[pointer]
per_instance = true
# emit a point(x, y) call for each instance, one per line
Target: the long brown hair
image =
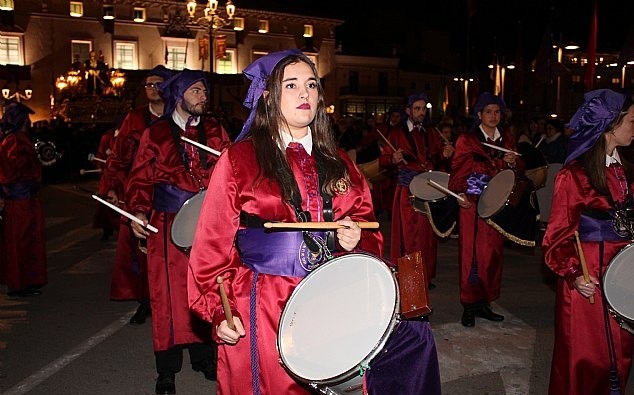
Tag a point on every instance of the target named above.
point(269, 124)
point(593, 160)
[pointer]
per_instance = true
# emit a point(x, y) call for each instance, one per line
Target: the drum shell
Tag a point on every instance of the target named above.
point(442, 214)
point(538, 176)
point(617, 284)
point(372, 172)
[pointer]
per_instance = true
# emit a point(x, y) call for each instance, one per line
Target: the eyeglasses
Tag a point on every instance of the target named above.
point(151, 85)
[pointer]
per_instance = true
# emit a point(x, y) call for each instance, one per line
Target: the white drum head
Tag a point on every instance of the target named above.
point(420, 187)
point(618, 283)
point(337, 316)
point(185, 221)
point(496, 193)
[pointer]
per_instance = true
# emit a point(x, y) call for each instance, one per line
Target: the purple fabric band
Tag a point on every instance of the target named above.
point(277, 253)
point(408, 363)
point(19, 190)
point(169, 199)
point(592, 229)
point(405, 176)
point(476, 183)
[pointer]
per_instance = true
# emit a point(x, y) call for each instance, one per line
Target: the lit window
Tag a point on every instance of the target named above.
point(80, 50)
point(238, 24)
point(125, 55)
point(263, 26)
point(6, 5)
point(139, 14)
point(308, 30)
point(227, 65)
point(11, 50)
point(108, 12)
point(76, 9)
point(176, 57)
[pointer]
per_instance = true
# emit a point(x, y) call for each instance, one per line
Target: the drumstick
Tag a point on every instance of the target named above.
point(93, 157)
point(442, 135)
point(84, 171)
point(225, 303)
point(202, 146)
point(390, 144)
point(125, 213)
point(501, 149)
point(318, 225)
point(584, 267)
point(443, 189)
point(540, 141)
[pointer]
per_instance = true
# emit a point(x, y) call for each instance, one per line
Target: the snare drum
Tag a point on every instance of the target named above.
point(508, 204)
point(336, 321)
point(420, 187)
point(538, 176)
point(440, 209)
point(618, 287)
point(373, 172)
point(185, 221)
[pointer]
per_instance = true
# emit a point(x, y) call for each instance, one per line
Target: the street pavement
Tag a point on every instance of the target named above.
point(73, 340)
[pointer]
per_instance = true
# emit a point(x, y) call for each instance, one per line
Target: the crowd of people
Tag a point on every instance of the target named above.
point(222, 296)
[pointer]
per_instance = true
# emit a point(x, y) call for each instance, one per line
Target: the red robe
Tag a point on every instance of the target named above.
point(158, 161)
point(473, 157)
point(580, 363)
point(22, 237)
point(411, 230)
point(105, 217)
point(214, 253)
point(129, 272)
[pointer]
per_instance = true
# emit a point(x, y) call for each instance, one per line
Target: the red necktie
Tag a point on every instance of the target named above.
point(311, 180)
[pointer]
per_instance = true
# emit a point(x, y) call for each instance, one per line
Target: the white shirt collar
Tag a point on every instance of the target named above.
point(496, 134)
point(410, 125)
point(182, 123)
point(306, 141)
point(615, 158)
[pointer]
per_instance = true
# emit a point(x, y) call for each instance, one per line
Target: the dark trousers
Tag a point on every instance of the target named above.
point(171, 361)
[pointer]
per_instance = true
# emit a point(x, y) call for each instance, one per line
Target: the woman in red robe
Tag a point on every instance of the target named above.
point(480, 244)
point(289, 170)
point(592, 353)
point(22, 239)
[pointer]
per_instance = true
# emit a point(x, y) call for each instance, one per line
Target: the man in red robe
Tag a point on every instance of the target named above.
point(22, 239)
point(418, 149)
point(166, 173)
point(129, 273)
point(481, 245)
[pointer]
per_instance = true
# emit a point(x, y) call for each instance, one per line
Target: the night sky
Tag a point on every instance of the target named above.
point(503, 27)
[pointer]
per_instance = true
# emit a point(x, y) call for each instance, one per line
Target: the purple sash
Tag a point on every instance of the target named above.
point(19, 190)
point(405, 176)
point(278, 253)
point(476, 183)
point(592, 229)
point(169, 198)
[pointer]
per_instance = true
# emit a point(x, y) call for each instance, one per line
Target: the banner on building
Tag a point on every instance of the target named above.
point(221, 46)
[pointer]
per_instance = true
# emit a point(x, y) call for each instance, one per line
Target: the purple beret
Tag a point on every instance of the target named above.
point(173, 89)
point(487, 98)
point(159, 71)
point(416, 97)
point(600, 107)
point(258, 72)
point(15, 115)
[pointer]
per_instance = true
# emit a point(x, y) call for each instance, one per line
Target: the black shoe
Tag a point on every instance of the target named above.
point(488, 314)
point(165, 384)
point(468, 317)
point(142, 312)
point(207, 367)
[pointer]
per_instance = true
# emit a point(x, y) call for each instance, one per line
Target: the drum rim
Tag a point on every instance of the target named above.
point(442, 196)
point(178, 219)
point(606, 288)
point(506, 198)
point(349, 373)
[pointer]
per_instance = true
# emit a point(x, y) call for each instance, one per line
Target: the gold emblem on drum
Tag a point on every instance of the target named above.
point(342, 187)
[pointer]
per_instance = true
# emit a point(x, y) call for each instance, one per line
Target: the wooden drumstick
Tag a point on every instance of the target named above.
point(125, 214)
point(318, 225)
point(201, 146)
point(225, 303)
point(584, 267)
point(443, 189)
point(389, 144)
point(501, 149)
point(84, 171)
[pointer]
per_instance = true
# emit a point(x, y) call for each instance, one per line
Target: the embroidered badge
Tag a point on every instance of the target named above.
point(309, 259)
point(342, 187)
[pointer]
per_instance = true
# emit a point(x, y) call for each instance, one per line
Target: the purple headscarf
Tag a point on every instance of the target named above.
point(411, 99)
point(15, 115)
point(258, 72)
point(159, 71)
point(487, 98)
point(173, 89)
point(600, 107)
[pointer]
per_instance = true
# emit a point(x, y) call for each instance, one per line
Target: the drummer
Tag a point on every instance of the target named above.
point(287, 168)
point(417, 148)
point(481, 246)
point(592, 354)
point(165, 173)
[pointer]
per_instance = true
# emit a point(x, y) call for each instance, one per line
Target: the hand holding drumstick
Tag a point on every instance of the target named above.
point(586, 285)
point(231, 329)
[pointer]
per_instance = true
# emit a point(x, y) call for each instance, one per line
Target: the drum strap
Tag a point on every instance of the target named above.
point(182, 154)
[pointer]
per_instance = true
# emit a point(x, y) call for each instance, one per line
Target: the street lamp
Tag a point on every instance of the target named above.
point(17, 95)
point(212, 21)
